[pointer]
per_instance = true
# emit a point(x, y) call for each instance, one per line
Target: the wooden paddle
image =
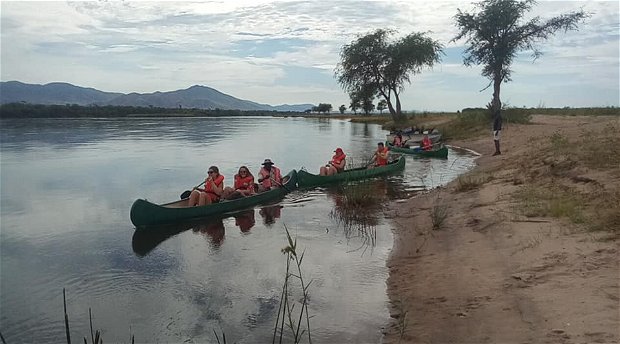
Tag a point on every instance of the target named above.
point(282, 185)
point(186, 193)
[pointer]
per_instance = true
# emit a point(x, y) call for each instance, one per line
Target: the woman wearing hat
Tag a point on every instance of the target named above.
point(269, 176)
point(336, 165)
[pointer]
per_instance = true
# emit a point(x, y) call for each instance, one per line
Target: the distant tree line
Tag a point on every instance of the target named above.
point(322, 107)
point(26, 110)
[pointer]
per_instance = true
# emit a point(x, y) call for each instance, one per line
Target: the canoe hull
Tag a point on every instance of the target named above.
point(439, 153)
point(144, 213)
point(306, 179)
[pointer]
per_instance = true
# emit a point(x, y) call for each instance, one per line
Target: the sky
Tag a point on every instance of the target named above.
point(286, 52)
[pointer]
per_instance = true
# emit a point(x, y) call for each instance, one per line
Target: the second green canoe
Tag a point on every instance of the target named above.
point(438, 153)
point(306, 179)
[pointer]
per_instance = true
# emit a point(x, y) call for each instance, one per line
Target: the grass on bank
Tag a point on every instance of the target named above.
point(550, 201)
point(559, 186)
point(472, 123)
point(472, 181)
point(439, 214)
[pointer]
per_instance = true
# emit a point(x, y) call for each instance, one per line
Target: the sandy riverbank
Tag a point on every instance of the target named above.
point(491, 274)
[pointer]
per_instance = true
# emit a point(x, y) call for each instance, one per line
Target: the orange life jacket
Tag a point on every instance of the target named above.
point(380, 160)
point(265, 176)
point(337, 159)
point(218, 181)
point(244, 183)
point(427, 144)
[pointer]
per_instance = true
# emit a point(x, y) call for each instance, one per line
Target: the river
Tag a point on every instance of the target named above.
point(66, 189)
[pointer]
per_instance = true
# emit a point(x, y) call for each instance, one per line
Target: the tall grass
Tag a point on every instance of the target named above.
point(356, 207)
point(439, 214)
point(95, 337)
point(286, 310)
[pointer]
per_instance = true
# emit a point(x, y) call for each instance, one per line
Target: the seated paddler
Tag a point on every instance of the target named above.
point(335, 165)
point(213, 189)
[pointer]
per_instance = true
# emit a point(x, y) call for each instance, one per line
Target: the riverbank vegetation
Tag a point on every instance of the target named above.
point(26, 110)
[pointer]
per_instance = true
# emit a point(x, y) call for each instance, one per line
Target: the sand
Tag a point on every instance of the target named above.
point(492, 275)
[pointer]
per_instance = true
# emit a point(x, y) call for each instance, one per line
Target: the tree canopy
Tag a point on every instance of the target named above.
point(495, 33)
point(372, 64)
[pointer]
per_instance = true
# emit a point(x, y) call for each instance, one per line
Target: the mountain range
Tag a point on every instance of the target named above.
point(201, 97)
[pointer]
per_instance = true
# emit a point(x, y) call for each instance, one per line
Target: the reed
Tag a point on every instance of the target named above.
point(95, 336)
point(218, 338)
point(286, 309)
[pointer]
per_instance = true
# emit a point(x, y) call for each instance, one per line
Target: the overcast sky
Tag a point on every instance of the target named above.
point(278, 52)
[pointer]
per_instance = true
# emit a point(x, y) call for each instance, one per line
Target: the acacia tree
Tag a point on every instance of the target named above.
point(495, 34)
point(382, 105)
point(367, 106)
point(355, 105)
point(373, 64)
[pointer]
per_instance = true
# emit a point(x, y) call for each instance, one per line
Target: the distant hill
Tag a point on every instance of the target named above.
point(52, 93)
point(201, 97)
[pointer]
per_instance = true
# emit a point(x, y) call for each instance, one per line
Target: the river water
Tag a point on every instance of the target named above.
point(66, 189)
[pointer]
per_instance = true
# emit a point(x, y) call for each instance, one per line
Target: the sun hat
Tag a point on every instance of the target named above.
point(338, 150)
point(267, 162)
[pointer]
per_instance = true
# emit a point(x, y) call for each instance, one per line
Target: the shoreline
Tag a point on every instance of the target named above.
point(489, 274)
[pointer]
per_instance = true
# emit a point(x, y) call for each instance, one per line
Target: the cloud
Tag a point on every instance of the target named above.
point(240, 47)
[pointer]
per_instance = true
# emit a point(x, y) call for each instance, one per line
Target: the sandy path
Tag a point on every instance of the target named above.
point(491, 275)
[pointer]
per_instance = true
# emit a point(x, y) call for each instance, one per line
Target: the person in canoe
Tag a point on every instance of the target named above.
point(336, 165)
point(243, 185)
point(212, 192)
point(426, 143)
point(269, 176)
point(398, 140)
point(381, 155)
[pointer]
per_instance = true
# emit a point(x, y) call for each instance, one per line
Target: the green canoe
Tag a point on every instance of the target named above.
point(438, 153)
point(306, 179)
point(144, 213)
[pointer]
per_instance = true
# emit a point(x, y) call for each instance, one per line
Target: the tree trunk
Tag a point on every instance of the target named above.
point(496, 104)
point(398, 115)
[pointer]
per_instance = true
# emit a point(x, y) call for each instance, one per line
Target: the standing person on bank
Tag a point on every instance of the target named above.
point(497, 128)
point(269, 176)
point(335, 165)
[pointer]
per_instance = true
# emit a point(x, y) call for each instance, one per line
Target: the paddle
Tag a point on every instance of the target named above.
point(186, 193)
point(371, 160)
point(282, 185)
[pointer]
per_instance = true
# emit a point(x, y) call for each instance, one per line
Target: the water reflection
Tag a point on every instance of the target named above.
point(213, 229)
point(145, 239)
point(245, 220)
point(270, 214)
